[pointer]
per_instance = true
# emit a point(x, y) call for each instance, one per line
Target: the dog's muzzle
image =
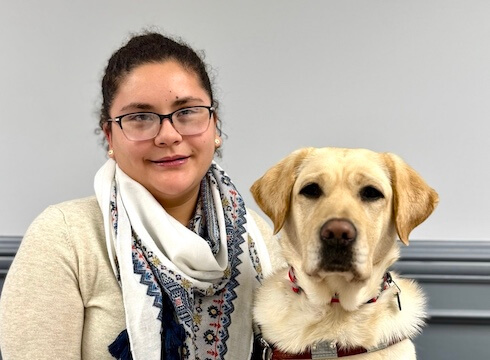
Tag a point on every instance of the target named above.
point(337, 238)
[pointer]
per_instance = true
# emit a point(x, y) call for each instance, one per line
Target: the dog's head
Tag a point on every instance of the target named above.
point(342, 208)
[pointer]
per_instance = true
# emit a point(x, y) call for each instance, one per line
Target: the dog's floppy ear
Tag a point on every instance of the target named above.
point(413, 199)
point(272, 191)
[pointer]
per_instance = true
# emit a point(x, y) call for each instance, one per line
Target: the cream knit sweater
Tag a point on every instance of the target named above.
point(60, 299)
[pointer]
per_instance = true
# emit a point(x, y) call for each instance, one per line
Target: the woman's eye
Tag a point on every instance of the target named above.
point(370, 193)
point(186, 112)
point(139, 117)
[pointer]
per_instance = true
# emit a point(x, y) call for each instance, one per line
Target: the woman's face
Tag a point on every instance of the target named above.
point(170, 166)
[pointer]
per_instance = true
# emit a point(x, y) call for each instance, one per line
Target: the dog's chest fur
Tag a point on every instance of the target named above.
point(295, 324)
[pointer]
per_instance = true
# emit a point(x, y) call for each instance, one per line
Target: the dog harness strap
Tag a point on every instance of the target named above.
point(279, 355)
point(327, 350)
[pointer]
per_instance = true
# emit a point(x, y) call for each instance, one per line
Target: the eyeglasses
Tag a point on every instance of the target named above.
point(141, 126)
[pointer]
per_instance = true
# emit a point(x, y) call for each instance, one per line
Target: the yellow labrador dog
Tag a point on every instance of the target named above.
point(339, 211)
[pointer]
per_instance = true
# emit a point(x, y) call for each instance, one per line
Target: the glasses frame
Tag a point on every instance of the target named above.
point(162, 117)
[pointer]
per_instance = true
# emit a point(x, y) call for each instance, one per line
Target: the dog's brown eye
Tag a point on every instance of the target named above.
point(370, 193)
point(311, 191)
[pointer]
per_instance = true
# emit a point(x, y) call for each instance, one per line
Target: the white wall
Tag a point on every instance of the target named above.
point(410, 77)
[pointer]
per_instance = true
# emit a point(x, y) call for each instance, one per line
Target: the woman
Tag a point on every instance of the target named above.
point(163, 261)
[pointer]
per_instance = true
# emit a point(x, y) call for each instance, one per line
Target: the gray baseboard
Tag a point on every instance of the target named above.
point(456, 277)
point(8, 249)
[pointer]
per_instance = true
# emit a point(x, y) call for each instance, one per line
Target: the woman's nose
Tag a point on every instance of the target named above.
point(167, 134)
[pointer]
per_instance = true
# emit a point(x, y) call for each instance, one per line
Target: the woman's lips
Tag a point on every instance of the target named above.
point(171, 161)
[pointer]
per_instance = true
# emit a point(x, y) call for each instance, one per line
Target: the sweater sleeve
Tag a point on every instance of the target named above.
point(41, 309)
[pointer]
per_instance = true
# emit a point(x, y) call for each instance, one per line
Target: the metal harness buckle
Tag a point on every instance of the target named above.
point(324, 350)
point(267, 350)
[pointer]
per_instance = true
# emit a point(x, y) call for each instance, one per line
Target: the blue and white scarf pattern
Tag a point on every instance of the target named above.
point(208, 272)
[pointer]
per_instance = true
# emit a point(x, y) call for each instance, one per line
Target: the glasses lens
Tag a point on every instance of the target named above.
point(140, 126)
point(192, 120)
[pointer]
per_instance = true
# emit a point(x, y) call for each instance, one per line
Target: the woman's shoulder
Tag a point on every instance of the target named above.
point(87, 204)
point(68, 220)
point(262, 224)
point(80, 211)
point(271, 241)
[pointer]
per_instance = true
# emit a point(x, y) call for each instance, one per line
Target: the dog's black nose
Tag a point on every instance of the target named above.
point(338, 232)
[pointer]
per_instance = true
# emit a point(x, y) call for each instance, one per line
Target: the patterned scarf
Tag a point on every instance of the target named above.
point(188, 288)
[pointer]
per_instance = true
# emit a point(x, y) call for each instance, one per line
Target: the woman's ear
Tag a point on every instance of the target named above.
point(106, 128)
point(108, 135)
point(217, 142)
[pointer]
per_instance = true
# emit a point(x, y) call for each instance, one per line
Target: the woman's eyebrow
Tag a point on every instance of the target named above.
point(138, 106)
point(149, 107)
point(187, 99)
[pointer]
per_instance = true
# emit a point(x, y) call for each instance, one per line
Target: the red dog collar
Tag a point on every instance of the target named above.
point(387, 282)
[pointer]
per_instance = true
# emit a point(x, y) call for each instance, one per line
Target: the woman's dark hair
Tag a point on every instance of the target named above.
point(150, 47)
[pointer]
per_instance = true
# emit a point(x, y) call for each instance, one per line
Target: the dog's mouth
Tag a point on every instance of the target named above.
point(336, 258)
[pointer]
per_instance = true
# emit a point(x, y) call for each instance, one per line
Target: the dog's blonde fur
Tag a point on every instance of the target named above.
point(294, 322)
